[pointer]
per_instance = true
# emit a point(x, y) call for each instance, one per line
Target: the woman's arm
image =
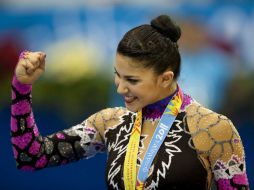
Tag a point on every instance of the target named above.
point(228, 163)
point(219, 146)
point(31, 150)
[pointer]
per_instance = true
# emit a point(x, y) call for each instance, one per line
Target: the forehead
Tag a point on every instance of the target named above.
point(129, 66)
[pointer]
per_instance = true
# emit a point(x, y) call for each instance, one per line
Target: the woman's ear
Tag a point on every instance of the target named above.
point(166, 79)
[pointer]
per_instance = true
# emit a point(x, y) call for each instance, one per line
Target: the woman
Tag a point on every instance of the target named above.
point(163, 139)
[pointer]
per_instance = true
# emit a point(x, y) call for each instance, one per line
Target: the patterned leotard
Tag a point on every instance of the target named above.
point(200, 146)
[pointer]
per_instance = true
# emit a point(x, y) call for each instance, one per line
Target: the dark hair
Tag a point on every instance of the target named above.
point(155, 45)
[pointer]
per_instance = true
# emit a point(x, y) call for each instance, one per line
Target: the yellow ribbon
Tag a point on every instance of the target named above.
point(140, 185)
point(130, 162)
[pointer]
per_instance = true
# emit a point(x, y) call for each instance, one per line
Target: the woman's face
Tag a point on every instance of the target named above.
point(139, 86)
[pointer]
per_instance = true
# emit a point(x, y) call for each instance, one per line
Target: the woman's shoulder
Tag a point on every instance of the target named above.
point(108, 117)
point(202, 118)
point(208, 127)
point(115, 112)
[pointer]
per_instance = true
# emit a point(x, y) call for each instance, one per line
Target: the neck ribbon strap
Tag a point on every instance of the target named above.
point(131, 180)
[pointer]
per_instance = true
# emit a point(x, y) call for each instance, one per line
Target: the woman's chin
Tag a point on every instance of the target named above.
point(131, 108)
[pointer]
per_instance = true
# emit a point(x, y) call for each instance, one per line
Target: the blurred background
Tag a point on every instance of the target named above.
point(80, 39)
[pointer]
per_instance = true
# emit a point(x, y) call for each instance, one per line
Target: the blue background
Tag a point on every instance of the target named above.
point(35, 29)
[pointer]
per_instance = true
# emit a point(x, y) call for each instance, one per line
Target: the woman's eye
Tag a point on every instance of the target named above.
point(132, 81)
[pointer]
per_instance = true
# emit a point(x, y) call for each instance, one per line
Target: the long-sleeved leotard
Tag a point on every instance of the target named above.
point(200, 146)
point(219, 146)
point(32, 151)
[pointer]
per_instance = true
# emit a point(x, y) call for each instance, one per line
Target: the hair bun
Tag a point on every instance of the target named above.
point(164, 25)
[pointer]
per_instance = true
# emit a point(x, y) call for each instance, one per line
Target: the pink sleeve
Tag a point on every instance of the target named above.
point(231, 175)
point(31, 150)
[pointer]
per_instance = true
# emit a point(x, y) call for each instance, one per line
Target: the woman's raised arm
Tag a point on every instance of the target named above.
point(31, 150)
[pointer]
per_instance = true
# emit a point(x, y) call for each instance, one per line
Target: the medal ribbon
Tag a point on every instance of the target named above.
point(130, 161)
point(162, 129)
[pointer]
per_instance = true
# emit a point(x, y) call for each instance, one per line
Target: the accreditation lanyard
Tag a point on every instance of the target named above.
point(162, 129)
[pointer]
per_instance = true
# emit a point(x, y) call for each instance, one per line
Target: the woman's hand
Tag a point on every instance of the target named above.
point(30, 66)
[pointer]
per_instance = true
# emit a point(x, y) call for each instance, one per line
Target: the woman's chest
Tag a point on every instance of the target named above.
point(175, 163)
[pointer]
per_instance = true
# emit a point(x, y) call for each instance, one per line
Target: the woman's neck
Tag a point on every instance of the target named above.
point(155, 110)
point(168, 91)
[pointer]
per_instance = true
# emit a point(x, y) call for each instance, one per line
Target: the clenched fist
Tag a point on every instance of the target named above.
point(30, 66)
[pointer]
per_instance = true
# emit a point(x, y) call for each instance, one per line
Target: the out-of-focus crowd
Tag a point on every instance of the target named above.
point(80, 40)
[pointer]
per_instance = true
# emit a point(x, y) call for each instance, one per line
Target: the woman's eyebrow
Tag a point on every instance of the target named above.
point(126, 76)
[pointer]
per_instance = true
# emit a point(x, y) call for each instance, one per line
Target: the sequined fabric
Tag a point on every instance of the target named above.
point(32, 151)
point(231, 175)
point(201, 145)
point(154, 111)
point(219, 146)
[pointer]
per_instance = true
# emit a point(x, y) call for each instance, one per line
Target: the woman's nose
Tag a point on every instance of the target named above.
point(121, 88)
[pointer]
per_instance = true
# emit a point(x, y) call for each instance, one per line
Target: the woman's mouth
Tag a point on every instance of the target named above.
point(129, 99)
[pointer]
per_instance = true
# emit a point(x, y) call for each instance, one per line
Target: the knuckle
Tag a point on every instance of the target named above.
point(38, 55)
